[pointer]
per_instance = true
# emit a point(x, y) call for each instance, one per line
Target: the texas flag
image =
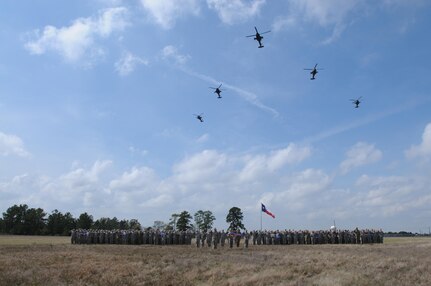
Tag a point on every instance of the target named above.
point(267, 211)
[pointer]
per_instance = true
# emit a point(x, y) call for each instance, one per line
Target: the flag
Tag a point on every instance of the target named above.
point(267, 211)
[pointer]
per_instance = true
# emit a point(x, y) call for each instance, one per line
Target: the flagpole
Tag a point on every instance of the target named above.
point(261, 218)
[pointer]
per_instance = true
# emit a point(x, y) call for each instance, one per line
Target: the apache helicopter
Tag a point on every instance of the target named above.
point(356, 102)
point(313, 72)
point(217, 90)
point(258, 37)
point(199, 117)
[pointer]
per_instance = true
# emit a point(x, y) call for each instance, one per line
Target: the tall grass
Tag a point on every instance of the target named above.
point(396, 262)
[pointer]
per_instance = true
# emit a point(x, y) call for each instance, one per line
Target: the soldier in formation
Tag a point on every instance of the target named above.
point(214, 238)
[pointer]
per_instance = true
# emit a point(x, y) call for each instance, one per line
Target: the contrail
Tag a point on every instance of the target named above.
point(358, 123)
point(246, 95)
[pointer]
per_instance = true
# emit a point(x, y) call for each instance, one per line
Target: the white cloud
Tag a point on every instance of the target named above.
point(12, 145)
point(166, 12)
point(390, 196)
point(142, 179)
point(235, 11)
point(204, 138)
point(171, 53)
point(424, 148)
point(127, 63)
point(258, 165)
point(334, 14)
point(201, 167)
point(360, 154)
point(78, 40)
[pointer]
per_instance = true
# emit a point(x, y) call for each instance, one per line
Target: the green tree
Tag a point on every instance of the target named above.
point(14, 219)
point(172, 225)
point(124, 224)
point(2, 226)
point(134, 224)
point(106, 223)
point(183, 222)
point(22, 220)
point(59, 223)
point(158, 224)
point(34, 221)
point(234, 219)
point(85, 221)
point(204, 220)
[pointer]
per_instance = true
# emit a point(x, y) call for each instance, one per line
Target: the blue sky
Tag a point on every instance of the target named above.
point(97, 101)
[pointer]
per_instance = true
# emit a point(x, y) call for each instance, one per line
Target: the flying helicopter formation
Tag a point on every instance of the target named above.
point(356, 102)
point(199, 117)
point(258, 37)
point(217, 90)
point(313, 72)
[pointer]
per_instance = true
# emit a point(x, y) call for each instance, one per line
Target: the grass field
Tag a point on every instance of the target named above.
point(53, 261)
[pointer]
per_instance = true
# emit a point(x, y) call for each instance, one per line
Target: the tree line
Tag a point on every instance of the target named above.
point(22, 220)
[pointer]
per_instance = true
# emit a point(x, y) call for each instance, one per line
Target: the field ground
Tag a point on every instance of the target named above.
point(53, 261)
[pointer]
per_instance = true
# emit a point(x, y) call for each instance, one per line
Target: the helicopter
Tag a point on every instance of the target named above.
point(217, 90)
point(199, 117)
point(258, 37)
point(313, 72)
point(356, 102)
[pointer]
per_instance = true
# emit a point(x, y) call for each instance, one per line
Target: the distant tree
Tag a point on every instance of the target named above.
point(124, 224)
point(172, 225)
point(34, 221)
point(59, 223)
point(134, 224)
point(2, 226)
point(204, 220)
point(158, 224)
point(14, 219)
point(23, 220)
point(106, 223)
point(234, 219)
point(183, 222)
point(84, 221)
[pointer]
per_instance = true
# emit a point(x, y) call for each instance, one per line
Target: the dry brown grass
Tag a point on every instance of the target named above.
point(397, 262)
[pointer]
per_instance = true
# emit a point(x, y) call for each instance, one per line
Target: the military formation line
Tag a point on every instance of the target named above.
point(214, 238)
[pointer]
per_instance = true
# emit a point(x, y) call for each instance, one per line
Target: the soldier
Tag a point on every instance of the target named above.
point(209, 238)
point(237, 238)
point(246, 238)
point(231, 237)
point(198, 239)
point(222, 238)
point(215, 238)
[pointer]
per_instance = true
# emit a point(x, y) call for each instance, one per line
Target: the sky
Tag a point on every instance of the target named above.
point(97, 104)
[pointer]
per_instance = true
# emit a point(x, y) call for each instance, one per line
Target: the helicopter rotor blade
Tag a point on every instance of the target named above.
point(219, 86)
point(308, 69)
point(265, 32)
point(315, 66)
point(250, 36)
point(256, 29)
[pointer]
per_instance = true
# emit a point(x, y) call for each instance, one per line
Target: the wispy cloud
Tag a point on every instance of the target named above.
point(166, 12)
point(248, 96)
point(78, 40)
point(12, 145)
point(128, 62)
point(235, 11)
point(171, 53)
point(360, 122)
point(333, 14)
point(360, 154)
point(423, 150)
